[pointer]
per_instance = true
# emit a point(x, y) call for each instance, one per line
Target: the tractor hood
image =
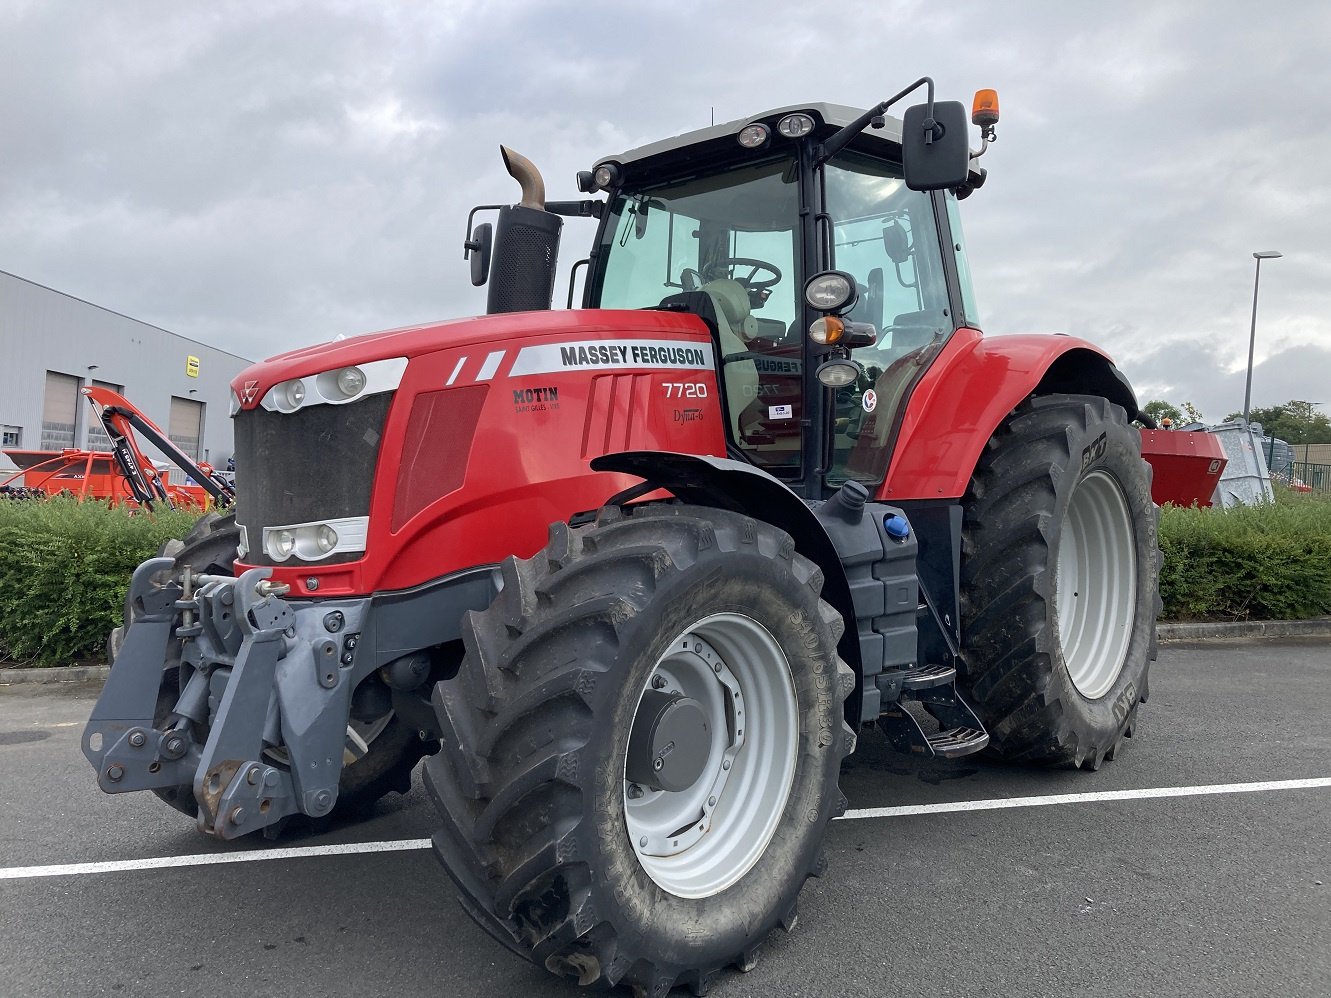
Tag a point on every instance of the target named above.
point(490, 335)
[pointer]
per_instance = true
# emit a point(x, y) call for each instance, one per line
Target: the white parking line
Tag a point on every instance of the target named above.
point(210, 859)
point(1145, 793)
point(408, 845)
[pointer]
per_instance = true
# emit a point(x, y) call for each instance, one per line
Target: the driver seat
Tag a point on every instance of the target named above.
point(736, 326)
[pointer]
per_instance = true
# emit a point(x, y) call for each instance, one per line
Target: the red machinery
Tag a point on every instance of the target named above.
point(635, 576)
point(1186, 465)
point(123, 475)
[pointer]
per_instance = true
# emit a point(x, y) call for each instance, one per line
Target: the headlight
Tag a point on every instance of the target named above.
point(292, 395)
point(753, 136)
point(839, 372)
point(336, 387)
point(316, 541)
point(280, 544)
point(351, 380)
point(606, 176)
point(832, 291)
point(792, 126)
point(326, 538)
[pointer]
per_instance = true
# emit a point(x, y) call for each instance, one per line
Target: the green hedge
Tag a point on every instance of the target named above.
point(65, 567)
point(64, 572)
point(1266, 562)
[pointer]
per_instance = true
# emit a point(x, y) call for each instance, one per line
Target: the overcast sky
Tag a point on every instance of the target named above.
point(262, 176)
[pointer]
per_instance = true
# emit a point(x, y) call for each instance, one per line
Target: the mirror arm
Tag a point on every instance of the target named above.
point(841, 138)
point(467, 242)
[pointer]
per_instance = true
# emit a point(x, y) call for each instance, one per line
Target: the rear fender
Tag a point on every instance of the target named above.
point(880, 583)
point(968, 392)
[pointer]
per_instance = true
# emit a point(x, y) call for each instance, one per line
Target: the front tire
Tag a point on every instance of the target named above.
point(551, 826)
point(1060, 582)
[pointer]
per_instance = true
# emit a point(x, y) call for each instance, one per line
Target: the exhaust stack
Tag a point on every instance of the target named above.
point(524, 171)
point(526, 244)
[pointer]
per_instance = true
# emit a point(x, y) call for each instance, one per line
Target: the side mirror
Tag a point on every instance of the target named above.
point(478, 249)
point(936, 158)
point(896, 243)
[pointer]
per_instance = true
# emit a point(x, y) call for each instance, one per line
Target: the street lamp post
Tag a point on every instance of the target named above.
point(1252, 334)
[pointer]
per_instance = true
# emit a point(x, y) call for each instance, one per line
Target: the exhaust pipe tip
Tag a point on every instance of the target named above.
point(524, 171)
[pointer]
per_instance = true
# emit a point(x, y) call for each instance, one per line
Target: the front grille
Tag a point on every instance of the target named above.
point(306, 466)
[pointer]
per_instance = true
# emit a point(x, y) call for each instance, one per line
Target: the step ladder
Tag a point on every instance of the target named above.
point(934, 687)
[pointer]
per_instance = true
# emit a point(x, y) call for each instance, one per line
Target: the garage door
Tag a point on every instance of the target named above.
point(59, 410)
point(186, 425)
point(97, 438)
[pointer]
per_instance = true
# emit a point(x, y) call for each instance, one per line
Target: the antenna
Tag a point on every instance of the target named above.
point(713, 114)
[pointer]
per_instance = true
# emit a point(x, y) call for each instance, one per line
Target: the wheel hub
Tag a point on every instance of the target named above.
point(669, 745)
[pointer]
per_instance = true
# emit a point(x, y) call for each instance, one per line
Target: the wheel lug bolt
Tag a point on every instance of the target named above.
point(635, 791)
point(725, 764)
point(642, 842)
point(717, 668)
point(658, 682)
point(711, 802)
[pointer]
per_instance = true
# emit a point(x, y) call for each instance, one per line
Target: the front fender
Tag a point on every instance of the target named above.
point(970, 389)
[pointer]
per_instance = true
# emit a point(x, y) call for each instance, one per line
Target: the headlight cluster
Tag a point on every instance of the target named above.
point(336, 387)
point(316, 541)
point(835, 293)
point(792, 126)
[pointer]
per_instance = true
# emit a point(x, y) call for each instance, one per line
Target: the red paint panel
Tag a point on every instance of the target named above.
point(1186, 467)
point(436, 447)
point(957, 405)
point(526, 461)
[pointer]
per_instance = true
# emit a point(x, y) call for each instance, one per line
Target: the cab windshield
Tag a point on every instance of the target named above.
point(734, 236)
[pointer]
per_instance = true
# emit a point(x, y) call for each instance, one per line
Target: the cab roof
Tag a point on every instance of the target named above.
point(832, 115)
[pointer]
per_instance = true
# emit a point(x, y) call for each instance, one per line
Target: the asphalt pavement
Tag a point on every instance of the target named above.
point(1213, 893)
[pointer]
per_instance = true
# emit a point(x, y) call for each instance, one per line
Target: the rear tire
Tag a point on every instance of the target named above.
point(1060, 582)
point(211, 548)
point(533, 782)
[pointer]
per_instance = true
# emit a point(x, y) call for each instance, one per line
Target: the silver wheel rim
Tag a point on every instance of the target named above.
point(1095, 593)
point(698, 841)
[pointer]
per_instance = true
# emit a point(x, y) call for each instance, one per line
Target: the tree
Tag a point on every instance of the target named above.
point(1192, 412)
point(1159, 410)
point(1295, 422)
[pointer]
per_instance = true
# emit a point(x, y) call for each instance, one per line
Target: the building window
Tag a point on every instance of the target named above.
point(60, 408)
point(97, 438)
point(11, 436)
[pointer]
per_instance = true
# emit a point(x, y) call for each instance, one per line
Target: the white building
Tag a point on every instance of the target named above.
point(52, 345)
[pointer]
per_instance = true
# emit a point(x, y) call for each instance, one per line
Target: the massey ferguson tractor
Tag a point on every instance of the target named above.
point(632, 577)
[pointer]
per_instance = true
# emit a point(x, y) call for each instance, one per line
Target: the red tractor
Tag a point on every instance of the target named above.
point(632, 577)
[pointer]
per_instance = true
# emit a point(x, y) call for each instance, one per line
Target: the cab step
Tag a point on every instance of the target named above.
point(960, 732)
point(928, 676)
point(956, 742)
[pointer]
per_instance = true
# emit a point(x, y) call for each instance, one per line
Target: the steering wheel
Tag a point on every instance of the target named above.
point(725, 268)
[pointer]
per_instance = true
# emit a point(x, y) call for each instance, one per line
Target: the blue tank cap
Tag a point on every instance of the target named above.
point(896, 527)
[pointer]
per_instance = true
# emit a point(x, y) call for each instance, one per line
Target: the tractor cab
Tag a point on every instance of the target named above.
point(822, 246)
point(737, 223)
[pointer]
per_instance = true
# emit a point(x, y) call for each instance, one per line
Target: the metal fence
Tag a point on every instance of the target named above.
point(1304, 476)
